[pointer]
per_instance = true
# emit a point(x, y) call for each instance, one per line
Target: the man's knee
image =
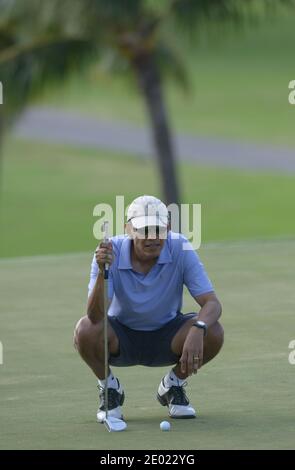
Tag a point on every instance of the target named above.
point(89, 336)
point(213, 341)
point(86, 331)
point(217, 333)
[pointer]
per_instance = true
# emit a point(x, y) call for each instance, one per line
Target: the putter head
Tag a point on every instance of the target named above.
point(114, 424)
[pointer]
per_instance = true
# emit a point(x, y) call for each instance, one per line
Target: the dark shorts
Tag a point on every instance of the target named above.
point(147, 348)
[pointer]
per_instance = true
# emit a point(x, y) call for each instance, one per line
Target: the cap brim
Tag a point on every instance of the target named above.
point(149, 221)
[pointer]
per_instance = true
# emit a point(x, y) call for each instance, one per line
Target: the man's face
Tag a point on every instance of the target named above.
point(148, 242)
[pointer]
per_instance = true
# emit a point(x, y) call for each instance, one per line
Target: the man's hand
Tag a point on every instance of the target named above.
point(104, 255)
point(192, 352)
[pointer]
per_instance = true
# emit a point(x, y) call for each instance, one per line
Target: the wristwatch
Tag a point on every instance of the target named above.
point(202, 325)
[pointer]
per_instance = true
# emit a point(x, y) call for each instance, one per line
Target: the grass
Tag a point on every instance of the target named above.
point(245, 397)
point(49, 192)
point(239, 87)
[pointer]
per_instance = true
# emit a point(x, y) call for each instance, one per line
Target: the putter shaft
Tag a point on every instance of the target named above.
point(106, 349)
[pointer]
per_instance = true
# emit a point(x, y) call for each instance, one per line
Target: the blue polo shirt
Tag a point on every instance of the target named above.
point(149, 301)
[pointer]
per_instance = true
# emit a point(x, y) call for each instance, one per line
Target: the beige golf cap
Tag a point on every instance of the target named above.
point(147, 211)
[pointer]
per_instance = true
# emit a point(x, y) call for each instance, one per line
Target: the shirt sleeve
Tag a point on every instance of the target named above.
point(195, 277)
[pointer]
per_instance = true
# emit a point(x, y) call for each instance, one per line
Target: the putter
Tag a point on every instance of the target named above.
point(111, 423)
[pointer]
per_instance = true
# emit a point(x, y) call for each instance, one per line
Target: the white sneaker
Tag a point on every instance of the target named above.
point(175, 398)
point(116, 399)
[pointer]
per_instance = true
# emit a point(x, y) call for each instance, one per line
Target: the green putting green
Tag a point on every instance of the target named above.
point(245, 397)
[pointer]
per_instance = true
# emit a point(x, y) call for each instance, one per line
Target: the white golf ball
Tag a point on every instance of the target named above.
point(165, 426)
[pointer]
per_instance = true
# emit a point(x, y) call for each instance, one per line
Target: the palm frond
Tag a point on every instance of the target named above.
point(31, 70)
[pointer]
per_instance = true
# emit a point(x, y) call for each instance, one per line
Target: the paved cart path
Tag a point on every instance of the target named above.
point(49, 124)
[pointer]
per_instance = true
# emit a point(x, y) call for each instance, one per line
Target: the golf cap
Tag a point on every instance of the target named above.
point(147, 211)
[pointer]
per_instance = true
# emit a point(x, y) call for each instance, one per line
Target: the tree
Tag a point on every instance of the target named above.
point(42, 41)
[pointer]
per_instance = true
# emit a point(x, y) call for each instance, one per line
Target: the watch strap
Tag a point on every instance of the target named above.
point(201, 326)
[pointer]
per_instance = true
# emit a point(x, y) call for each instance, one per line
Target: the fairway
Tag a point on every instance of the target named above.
point(49, 192)
point(245, 398)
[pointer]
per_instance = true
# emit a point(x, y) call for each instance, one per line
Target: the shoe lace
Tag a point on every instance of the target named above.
point(113, 398)
point(178, 395)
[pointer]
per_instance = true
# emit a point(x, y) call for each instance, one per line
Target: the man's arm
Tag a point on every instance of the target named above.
point(95, 304)
point(210, 308)
point(194, 343)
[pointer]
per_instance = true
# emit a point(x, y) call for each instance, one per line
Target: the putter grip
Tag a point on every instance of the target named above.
point(106, 239)
point(106, 271)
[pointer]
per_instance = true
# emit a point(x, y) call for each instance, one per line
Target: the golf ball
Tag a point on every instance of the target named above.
point(165, 426)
